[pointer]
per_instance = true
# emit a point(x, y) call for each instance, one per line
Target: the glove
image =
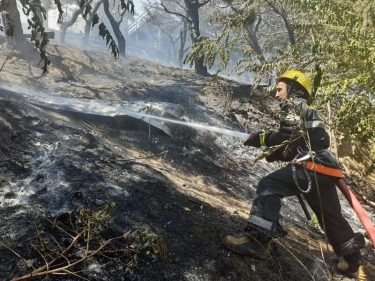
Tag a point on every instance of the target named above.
point(256, 140)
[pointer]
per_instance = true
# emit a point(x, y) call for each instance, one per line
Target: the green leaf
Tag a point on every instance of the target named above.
point(123, 5)
point(102, 30)
point(95, 20)
point(10, 31)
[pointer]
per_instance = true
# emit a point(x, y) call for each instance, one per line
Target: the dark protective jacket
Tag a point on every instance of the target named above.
point(298, 115)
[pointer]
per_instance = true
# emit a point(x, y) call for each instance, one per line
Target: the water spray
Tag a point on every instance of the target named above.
point(236, 134)
point(105, 108)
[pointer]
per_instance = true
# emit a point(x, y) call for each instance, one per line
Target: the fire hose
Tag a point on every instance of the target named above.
point(352, 199)
point(358, 209)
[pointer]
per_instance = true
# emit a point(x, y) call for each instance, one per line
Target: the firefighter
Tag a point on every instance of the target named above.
point(302, 140)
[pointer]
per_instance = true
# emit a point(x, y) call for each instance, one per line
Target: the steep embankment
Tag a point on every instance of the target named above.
point(191, 190)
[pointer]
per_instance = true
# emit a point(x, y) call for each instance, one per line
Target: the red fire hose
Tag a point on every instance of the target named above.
point(353, 201)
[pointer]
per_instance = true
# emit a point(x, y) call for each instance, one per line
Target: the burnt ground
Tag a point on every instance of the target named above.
point(181, 194)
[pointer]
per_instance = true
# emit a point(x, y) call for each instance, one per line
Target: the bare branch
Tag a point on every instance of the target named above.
point(174, 13)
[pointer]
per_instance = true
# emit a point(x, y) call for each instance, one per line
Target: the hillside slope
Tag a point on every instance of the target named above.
point(178, 196)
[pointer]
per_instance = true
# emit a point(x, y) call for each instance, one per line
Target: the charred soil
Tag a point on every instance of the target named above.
point(169, 201)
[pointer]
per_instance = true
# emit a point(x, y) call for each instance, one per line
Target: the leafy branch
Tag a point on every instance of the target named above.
point(37, 13)
point(83, 230)
point(38, 33)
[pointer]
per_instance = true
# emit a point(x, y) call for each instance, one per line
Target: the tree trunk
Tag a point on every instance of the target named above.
point(116, 29)
point(12, 26)
point(39, 14)
point(47, 5)
point(65, 25)
point(255, 42)
point(193, 12)
point(283, 15)
point(86, 36)
point(290, 30)
point(332, 134)
point(181, 50)
point(63, 28)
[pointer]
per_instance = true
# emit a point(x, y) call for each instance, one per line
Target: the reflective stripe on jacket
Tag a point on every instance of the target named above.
point(290, 130)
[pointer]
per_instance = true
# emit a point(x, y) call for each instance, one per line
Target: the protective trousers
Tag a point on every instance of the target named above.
point(322, 198)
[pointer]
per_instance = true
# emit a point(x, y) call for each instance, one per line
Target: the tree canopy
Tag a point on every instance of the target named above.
point(332, 41)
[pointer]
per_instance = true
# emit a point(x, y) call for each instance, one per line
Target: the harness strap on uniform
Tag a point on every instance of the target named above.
point(295, 178)
point(322, 169)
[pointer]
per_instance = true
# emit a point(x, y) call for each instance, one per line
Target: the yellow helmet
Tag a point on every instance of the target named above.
point(296, 76)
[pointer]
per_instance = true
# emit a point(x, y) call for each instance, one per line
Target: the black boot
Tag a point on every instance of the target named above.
point(254, 241)
point(247, 245)
point(354, 268)
point(353, 265)
point(354, 261)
